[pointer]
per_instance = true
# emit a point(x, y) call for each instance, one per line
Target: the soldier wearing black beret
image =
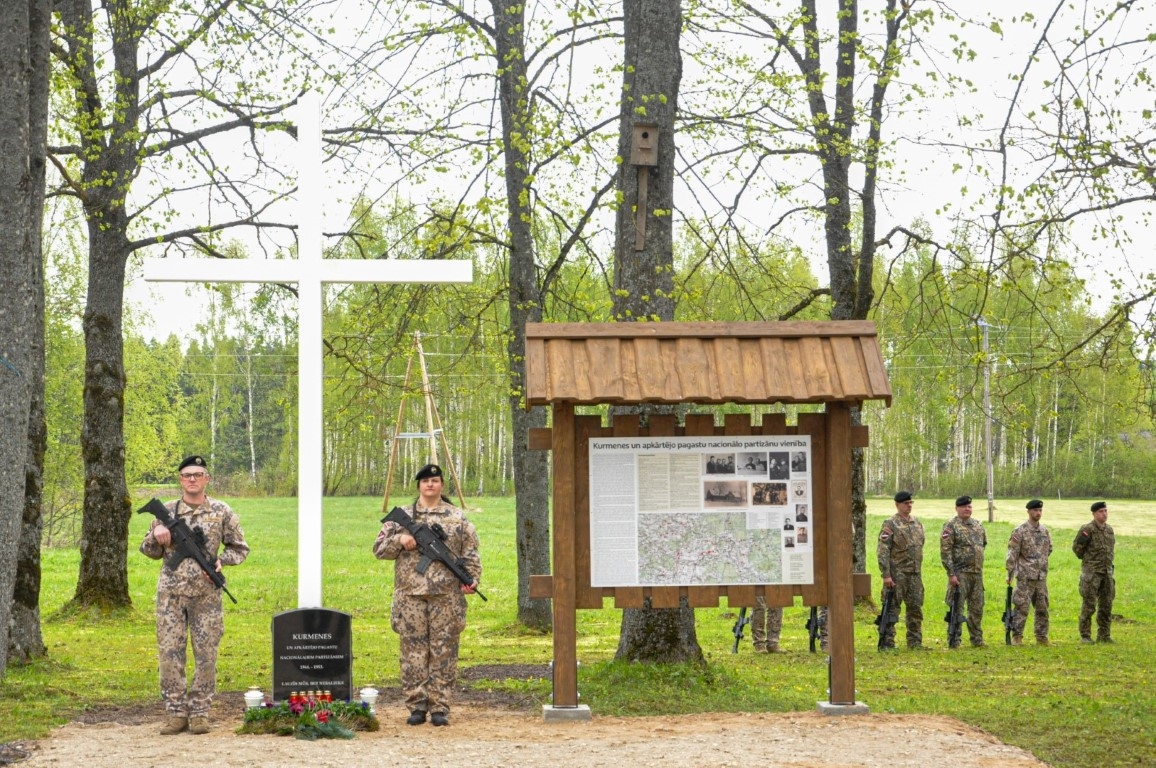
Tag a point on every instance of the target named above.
point(961, 548)
point(188, 603)
point(1028, 551)
point(1095, 545)
point(429, 605)
point(900, 558)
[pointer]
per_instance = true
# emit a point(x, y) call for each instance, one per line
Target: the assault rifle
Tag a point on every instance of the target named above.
point(1008, 617)
point(813, 627)
point(737, 629)
point(887, 617)
point(432, 546)
point(186, 543)
point(955, 617)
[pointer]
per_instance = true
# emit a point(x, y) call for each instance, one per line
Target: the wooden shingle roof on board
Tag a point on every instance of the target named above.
point(787, 362)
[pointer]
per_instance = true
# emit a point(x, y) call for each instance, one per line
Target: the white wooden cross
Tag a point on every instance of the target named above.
point(309, 271)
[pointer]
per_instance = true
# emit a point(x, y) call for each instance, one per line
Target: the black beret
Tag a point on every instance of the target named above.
point(963, 501)
point(193, 461)
point(1099, 505)
point(902, 496)
point(1035, 504)
point(429, 470)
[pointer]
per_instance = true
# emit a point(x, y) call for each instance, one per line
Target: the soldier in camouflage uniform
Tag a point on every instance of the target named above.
point(900, 556)
point(1028, 550)
point(429, 610)
point(961, 549)
point(766, 626)
point(1095, 545)
point(188, 603)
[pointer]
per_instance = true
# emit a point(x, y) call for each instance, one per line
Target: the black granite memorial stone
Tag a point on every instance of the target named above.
point(312, 651)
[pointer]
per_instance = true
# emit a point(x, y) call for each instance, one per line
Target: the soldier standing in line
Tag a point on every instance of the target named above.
point(1095, 545)
point(766, 627)
point(961, 549)
point(188, 603)
point(1028, 550)
point(429, 608)
point(900, 557)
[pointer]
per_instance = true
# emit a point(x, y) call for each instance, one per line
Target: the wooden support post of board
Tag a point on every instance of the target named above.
point(840, 586)
point(564, 576)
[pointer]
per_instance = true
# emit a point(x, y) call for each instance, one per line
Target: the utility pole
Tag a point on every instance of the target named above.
point(987, 420)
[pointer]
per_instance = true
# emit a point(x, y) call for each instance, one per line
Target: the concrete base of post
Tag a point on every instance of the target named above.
point(828, 708)
point(552, 714)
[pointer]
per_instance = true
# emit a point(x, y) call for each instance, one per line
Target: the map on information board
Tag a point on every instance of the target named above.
point(700, 511)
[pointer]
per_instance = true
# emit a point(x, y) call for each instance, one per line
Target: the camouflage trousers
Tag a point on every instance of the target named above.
point(179, 619)
point(909, 592)
point(1030, 593)
point(1098, 590)
point(971, 593)
point(766, 624)
point(429, 627)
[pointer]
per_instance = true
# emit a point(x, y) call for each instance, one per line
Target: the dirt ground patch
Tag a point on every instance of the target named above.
point(490, 730)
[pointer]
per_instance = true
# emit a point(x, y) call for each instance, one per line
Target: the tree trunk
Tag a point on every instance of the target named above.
point(103, 579)
point(26, 641)
point(531, 468)
point(644, 254)
point(18, 156)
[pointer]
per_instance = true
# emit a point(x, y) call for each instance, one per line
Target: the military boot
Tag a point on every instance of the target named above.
point(198, 724)
point(174, 724)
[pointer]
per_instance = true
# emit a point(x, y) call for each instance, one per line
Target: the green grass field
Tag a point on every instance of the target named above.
point(1068, 704)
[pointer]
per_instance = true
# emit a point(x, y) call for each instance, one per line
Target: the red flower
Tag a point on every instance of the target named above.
point(323, 716)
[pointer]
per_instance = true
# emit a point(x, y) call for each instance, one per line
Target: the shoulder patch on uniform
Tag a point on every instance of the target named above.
point(946, 533)
point(884, 535)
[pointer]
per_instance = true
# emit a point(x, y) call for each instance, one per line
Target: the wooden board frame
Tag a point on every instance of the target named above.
point(832, 437)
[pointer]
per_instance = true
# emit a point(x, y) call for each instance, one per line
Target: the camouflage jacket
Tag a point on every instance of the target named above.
point(1095, 544)
point(900, 546)
point(1027, 552)
point(461, 539)
point(221, 528)
point(961, 546)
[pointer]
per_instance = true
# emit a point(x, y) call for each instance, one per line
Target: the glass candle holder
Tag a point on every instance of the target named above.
point(369, 697)
point(253, 697)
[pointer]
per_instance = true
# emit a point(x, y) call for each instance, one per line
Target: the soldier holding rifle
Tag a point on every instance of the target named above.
point(900, 558)
point(961, 547)
point(429, 604)
point(188, 600)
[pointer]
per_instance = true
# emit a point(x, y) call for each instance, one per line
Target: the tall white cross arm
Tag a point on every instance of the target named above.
point(310, 271)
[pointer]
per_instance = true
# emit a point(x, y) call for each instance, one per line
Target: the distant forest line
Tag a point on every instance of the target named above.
point(226, 388)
